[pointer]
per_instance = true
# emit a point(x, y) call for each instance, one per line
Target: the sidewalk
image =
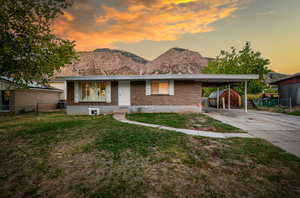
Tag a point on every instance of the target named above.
point(280, 129)
point(122, 118)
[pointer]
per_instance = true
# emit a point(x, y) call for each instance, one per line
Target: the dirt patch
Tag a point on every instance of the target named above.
point(199, 123)
point(67, 147)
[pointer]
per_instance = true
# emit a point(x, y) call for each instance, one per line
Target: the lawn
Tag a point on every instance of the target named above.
point(296, 113)
point(54, 155)
point(186, 120)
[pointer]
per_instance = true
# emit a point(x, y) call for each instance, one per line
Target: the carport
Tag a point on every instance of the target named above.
point(229, 80)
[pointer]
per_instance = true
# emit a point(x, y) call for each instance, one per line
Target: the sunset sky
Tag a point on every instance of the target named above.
point(150, 27)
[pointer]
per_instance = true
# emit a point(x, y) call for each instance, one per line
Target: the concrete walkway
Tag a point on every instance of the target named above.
point(280, 129)
point(121, 117)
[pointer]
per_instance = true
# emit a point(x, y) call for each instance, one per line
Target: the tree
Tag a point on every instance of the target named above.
point(28, 50)
point(245, 61)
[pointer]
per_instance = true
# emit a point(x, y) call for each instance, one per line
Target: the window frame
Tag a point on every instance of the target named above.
point(93, 90)
point(160, 94)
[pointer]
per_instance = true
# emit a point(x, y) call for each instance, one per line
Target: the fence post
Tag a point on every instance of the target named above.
point(246, 97)
point(37, 108)
point(218, 97)
point(13, 109)
point(229, 96)
point(290, 104)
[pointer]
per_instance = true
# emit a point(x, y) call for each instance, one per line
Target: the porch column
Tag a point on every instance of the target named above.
point(1, 107)
point(246, 99)
point(65, 91)
point(228, 96)
point(218, 97)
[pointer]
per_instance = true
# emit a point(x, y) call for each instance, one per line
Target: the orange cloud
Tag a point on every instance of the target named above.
point(161, 20)
point(67, 16)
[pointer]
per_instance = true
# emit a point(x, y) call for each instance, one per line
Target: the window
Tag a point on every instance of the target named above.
point(85, 91)
point(4, 100)
point(100, 91)
point(160, 88)
point(93, 91)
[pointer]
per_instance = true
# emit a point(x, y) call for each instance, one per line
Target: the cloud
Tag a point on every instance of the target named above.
point(267, 13)
point(67, 16)
point(94, 25)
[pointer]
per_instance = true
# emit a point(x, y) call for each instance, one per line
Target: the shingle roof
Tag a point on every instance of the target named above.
point(33, 85)
point(286, 78)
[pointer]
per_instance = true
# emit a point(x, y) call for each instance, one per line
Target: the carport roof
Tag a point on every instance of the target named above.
point(216, 78)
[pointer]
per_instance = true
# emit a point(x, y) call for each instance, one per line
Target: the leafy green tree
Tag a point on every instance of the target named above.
point(244, 61)
point(28, 49)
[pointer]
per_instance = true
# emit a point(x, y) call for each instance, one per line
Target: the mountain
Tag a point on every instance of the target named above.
point(127, 54)
point(107, 61)
point(104, 62)
point(177, 60)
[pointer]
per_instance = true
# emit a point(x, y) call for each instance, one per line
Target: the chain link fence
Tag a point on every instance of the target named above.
point(39, 107)
point(285, 103)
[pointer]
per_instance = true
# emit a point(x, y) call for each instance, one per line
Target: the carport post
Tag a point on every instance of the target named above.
point(218, 97)
point(228, 96)
point(246, 99)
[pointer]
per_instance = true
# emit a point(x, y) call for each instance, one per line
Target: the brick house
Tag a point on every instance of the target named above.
point(142, 93)
point(14, 99)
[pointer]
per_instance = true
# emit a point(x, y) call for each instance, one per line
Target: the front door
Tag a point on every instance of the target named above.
point(124, 93)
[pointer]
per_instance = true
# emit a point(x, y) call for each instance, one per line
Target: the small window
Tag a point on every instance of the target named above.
point(160, 88)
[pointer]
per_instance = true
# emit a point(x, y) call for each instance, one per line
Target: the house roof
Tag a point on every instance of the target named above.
point(286, 78)
point(32, 85)
point(197, 77)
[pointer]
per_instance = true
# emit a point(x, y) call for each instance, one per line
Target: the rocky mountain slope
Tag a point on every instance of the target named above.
point(177, 60)
point(116, 62)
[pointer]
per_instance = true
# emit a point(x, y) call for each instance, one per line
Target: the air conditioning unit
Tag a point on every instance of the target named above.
point(94, 111)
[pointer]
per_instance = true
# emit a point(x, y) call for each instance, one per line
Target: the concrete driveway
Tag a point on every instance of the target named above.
point(280, 129)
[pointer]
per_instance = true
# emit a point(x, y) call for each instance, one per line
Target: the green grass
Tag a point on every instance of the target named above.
point(182, 121)
point(51, 155)
point(295, 113)
point(165, 119)
point(260, 151)
point(278, 109)
point(141, 140)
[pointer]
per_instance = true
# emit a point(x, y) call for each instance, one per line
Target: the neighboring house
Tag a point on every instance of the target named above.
point(62, 85)
point(289, 90)
point(142, 93)
point(14, 99)
point(273, 76)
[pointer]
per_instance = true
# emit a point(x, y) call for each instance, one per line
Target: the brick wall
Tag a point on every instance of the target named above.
point(27, 99)
point(186, 93)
